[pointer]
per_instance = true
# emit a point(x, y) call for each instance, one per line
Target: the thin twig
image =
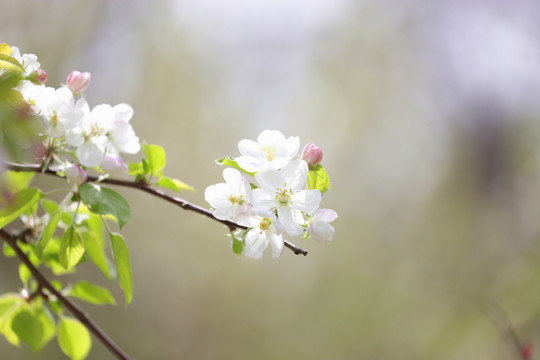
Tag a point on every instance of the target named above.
point(73, 308)
point(155, 192)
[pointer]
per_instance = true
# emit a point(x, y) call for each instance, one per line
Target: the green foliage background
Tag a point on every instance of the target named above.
point(438, 199)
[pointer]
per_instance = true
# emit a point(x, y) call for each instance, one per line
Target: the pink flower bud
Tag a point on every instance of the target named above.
point(114, 165)
point(75, 174)
point(40, 76)
point(77, 81)
point(312, 154)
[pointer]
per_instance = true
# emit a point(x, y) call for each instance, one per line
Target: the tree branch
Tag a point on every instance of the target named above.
point(155, 192)
point(72, 307)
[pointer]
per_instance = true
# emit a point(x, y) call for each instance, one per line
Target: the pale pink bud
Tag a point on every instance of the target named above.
point(40, 76)
point(114, 165)
point(75, 174)
point(78, 81)
point(312, 154)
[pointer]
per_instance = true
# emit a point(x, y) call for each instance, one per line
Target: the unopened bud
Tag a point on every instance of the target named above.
point(75, 174)
point(39, 76)
point(312, 154)
point(78, 81)
point(114, 165)
point(527, 351)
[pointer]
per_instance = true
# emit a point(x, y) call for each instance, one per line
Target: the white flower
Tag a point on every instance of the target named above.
point(58, 109)
point(271, 151)
point(283, 190)
point(114, 165)
point(105, 129)
point(264, 232)
point(231, 198)
point(29, 62)
point(319, 225)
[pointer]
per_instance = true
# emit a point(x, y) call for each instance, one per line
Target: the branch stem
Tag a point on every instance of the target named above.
point(154, 192)
point(79, 313)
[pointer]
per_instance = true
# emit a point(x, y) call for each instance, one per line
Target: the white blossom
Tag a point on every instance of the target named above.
point(231, 198)
point(284, 190)
point(271, 151)
point(319, 225)
point(264, 231)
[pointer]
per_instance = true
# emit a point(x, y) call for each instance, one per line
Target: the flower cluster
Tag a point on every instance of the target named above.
point(90, 137)
point(282, 198)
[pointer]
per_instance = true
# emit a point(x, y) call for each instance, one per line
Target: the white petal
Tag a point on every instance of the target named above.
point(89, 154)
point(270, 138)
point(123, 112)
point(249, 163)
point(321, 231)
point(327, 215)
point(218, 195)
point(288, 219)
point(270, 180)
point(295, 174)
point(74, 137)
point(263, 199)
point(292, 144)
point(250, 147)
point(307, 200)
point(256, 243)
point(276, 241)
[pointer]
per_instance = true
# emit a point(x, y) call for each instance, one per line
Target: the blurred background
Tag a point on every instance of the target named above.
point(428, 115)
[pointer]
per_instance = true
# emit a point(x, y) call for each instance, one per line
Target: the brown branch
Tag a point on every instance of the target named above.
point(72, 307)
point(155, 192)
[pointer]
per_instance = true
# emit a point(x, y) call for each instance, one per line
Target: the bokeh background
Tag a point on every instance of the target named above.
point(428, 115)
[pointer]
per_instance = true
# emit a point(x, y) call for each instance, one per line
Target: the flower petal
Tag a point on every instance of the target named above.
point(270, 180)
point(270, 138)
point(295, 174)
point(256, 243)
point(276, 241)
point(321, 231)
point(289, 220)
point(89, 154)
point(327, 215)
point(251, 148)
point(263, 199)
point(307, 200)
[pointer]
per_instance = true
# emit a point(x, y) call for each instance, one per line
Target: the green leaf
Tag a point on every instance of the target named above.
point(318, 178)
point(156, 158)
point(24, 274)
point(8, 250)
point(102, 201)
point(35, 328)
point(229, 161)
point(123, 268)
point(73, 338)
point(93, 294)
point(135, 169)
point(23, 201)
point(47, 234)
point(96, 253)
point(9, 305)
point(17, 180)
point(10, 63)
point(71, 248)
point(173, 184)
point(237, 245)
point(49, 206)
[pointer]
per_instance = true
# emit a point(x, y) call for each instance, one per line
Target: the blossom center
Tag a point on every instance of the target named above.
point(237, 200)
point(269, 152)
point(265, 224)
point(95, 130)
point(283, 196)
point(54, 118)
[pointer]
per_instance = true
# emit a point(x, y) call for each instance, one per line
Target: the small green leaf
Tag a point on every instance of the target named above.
point(96, 253)
point(35, 328)
point(102, 201)
point(173, 184)
point(9, 305)
point(71, 248)
point(135, 169)
point(318, 178)
point(24, 274)
point(229, 161)
point(123, 267)
point(93, 294)
point(73, 338)
point(156, 159)
point(49, 206)
point(237, 245)
point(23, 200)
point(47, 234)
point(8, 250)
point(10, 63)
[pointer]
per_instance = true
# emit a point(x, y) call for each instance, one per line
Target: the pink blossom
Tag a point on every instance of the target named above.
point(78, 81)
point(312, 154)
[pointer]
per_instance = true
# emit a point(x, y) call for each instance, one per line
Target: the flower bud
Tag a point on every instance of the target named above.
point(114, 165)
point(312, 154)
point(75, 174)
point(39, 76)
point(78, 81)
